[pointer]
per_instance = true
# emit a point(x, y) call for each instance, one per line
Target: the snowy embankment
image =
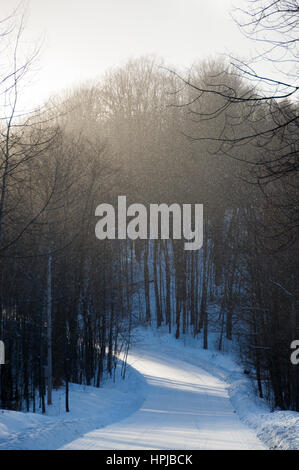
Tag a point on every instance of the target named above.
point(176, 396)
point(278, 429)
point(186, 407)
point(90, 408)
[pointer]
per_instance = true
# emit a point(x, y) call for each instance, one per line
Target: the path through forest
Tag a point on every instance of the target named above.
point(185, 408)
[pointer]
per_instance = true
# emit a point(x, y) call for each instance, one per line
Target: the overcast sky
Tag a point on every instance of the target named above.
point(83, 38)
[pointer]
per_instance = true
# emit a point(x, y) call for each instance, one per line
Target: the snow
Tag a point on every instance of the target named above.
point(185, 407)
point(90, 408)
point(175, 396)
point(277, 430)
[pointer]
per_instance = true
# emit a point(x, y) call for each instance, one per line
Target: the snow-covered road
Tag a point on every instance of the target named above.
point(185, 408)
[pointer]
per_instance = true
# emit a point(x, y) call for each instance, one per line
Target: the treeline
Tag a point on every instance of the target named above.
point(143, 133)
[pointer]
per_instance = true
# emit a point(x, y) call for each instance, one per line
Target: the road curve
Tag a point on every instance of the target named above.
point(185, 408)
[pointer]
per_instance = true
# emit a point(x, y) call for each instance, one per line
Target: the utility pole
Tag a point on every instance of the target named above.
point(49, 329)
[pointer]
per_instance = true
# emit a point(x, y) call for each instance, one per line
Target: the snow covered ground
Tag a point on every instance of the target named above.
point(175, 397)
point(277, 430)
point(90, 408)
point(185, 407)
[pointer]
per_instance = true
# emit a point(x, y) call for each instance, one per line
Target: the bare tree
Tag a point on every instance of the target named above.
point(259, 115)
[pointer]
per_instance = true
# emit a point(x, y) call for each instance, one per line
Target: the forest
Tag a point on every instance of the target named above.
point(220, 136)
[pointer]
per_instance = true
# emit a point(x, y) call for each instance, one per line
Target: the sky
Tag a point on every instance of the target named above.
point(81, 39)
